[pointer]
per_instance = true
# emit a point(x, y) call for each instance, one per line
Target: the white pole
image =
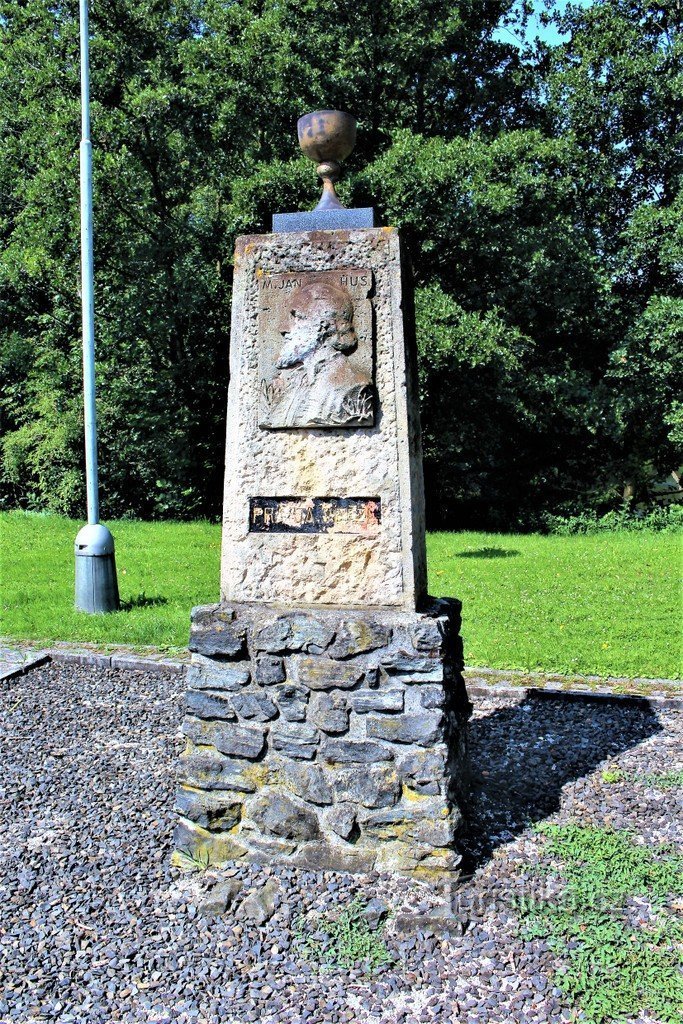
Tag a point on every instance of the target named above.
point(87, 288)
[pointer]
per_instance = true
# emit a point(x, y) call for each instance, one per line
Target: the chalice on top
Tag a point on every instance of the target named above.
point(327, 137)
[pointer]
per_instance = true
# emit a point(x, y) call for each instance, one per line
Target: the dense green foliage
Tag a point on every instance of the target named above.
point(538, 192)
point(603, 605)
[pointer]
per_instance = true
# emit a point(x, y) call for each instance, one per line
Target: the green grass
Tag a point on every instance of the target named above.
point(606, 605)
point(603, 605)
point(173, 563)
point(613, 962)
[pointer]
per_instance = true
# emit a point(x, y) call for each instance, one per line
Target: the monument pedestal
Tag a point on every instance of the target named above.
point(326, 716)
point(327, 738)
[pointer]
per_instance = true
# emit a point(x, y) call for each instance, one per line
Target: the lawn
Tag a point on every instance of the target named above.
point(607, 604)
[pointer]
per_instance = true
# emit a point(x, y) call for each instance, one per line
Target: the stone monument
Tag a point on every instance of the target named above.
point(326, 714)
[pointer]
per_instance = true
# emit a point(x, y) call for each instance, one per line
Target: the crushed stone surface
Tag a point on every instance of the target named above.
point(96, 926)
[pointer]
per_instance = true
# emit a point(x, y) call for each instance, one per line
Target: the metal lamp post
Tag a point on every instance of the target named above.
point(96, 585)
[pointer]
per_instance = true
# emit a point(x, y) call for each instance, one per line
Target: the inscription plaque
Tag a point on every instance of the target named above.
point(316, 349)
point(360, 516)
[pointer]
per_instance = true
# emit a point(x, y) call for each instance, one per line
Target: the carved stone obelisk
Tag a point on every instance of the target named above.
point(326, 714)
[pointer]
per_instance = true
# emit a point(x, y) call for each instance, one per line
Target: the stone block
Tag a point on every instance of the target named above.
point(330, 713)
point(358, 636)
point(388, 701)
point(207, 769)
point(292, 633)
point(432, 697)
point(291, 701)
point(216, 811)
point(269, 670)
point(306, 781)
point(323, 673)
point(217, 675)
point(424, 770)
point(355, 751)
point(205, 614)
point(256, 706)
point(429, 822)
point(209, 704)
point(424, 729)
point(218, 640)
point(298, 741)
point(377, 785)
point(342, 820)
point(281, 815)
point(233, 740)
point(325, 856)
point(204, 847)
point(413, 668)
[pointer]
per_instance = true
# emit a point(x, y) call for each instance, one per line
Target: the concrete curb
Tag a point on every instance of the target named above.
point(125, 660)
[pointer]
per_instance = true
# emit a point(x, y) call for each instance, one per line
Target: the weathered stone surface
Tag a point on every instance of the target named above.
point(356, 751)
point(233, 740)
point(424, 771)
point(331, 567)
point(377, 785)
point(357, 636)
point(428, 636)
point(269, 670)
point(363, 701)
point(217, 675)
point(207, 769)
point(257, 706)
point(220, 639)
point(413, 668)
point(259, 906)
point(205, 614)
point(216, 811)
point(281, 815)
point(292, 701)
point(322, 856)
point(209, 704)
point(306, 781)
point(297, 741)
point(294, 633)
point(323, 674)
point(220, 897)
point(432, 697)
point(342, 820)
point(204, 847)
point(359, 757)
point(423, 729)
point(428, 821)
point(330, 713)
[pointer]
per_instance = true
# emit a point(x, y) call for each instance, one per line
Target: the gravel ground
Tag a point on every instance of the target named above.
point(97, 927)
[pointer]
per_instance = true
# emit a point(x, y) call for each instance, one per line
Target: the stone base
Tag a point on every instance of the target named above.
point(329, 739)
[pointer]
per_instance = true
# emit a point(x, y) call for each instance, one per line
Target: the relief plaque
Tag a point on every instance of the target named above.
point(316, 349)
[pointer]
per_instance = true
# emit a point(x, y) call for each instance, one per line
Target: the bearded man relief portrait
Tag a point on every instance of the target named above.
point(316, 351)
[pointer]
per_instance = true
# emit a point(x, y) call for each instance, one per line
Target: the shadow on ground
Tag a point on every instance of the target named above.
point(523, 754)
point(142, 601)
point(488, 553)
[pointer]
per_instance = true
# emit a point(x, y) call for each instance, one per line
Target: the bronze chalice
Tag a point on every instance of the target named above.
point(327, 137)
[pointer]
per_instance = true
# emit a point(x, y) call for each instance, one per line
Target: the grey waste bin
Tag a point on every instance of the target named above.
point(96, 586)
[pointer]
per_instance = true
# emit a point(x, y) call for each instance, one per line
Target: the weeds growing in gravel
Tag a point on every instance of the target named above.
point(342, 939)
point(612, 774)
point(188, 861)
point(664, 780)
point(617, 959)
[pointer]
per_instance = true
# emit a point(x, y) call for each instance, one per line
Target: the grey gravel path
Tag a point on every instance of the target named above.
point(96, 927)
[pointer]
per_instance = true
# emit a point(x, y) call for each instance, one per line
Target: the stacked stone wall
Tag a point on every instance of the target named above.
point(328, 738)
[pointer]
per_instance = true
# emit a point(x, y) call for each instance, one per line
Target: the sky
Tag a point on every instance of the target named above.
point(547, 33)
